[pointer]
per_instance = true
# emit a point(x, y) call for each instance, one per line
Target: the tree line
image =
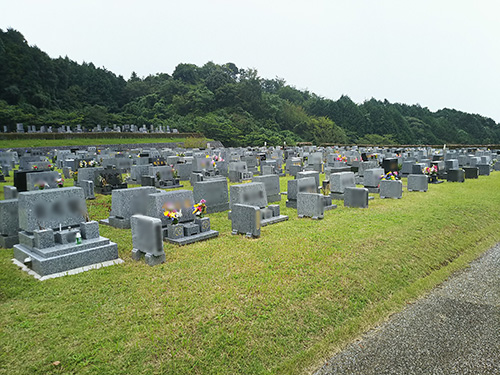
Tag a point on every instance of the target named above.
point(235, 106)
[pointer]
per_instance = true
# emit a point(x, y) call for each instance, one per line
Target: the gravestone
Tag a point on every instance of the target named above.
point(272, 185)
point(371, 179)
point(356, 197)
point(310, 205)
point(391, 189)
point(238, 172)
point(125, 203)
point(455, 175)
point(246, 219)
point(254, 194)
point(189, 228)
point(417, 182)
point(88, 189)
point(484, 169)
point(338, 183)
point(471, 172)
point(215, 192)
point(35, 180)
point(51, 223)
point(9, 192)
point(107, 180)
point(314, 174)
point(147, 239)
point(301, 185)
point(9, 223)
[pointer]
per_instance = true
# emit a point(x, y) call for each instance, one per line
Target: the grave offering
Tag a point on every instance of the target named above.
point(215, 192)
point(272, 185)
point(107, 180)
point(147, 239)
point(125, 203)
point(55, 239)
point(417, 182)
point(356, 197)
point(254, 194)
point(42, 180)
point(182, 222)
point(9, 223)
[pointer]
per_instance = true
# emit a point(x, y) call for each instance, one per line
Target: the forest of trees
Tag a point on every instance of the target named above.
point(224, 102)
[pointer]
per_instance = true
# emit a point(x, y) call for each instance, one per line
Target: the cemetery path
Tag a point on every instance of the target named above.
point(453, 330)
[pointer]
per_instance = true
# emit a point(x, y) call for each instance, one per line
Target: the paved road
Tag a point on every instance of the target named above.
point(454, 330)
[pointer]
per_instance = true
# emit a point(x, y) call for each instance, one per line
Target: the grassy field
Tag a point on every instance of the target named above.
point(82, 142)
point(278, 304)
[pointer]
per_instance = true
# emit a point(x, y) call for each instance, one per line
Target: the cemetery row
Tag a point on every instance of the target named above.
point(22, 128)
point(52, 235)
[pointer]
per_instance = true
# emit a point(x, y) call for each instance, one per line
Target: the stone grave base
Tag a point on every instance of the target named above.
point(330, 207)
point(373, 190)
point(186, 240)
point(64, 257)
point(291, 203)
point(274, 220)
point(73, 271)
point(8, 242)
point(161, 186)
point(149, 259)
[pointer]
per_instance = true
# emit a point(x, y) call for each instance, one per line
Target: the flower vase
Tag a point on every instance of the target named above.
point(175, 231)
point(432, 179)
point(204, 223)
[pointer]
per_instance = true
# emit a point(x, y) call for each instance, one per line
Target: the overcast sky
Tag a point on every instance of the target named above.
point(437, 53)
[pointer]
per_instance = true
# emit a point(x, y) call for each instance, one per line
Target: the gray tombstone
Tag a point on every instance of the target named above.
point(356, 197)
point(272, 184)
point(314, 174)
point(246, 219)
point(372, 179)
point(9, 223)
point(189, 228)
point(215, 192)
point(455, 175)
point(35, 180)
point(391, 189)
point(310, 205)
point(10, 192)
point(147, 239)
point(301, 185)
point(417, 182)
point(88, 189)
point(254, 194)
point(484, 169)
point(51, 223)
point(338, 183)
point(125, 203)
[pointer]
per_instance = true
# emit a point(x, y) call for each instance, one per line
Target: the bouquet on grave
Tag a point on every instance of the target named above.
point(200, 208)
point(35, 167)
point(60, 182)
point(430, 171)
point(41, 185)
point(51, 167)
point(341, 158)
point(390, 176)
point(172, 214)
point(83, 164)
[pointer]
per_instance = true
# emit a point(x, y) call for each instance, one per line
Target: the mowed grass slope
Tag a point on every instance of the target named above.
point(278, 304)
point(13, 143)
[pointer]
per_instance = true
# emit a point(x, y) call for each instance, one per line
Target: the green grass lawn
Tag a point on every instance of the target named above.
point(82, 142)
point(278, 304)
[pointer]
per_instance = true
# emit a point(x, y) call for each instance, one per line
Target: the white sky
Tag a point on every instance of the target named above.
point(438, 53)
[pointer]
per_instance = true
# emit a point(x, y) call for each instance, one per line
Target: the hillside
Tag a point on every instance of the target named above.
point(226, 103)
